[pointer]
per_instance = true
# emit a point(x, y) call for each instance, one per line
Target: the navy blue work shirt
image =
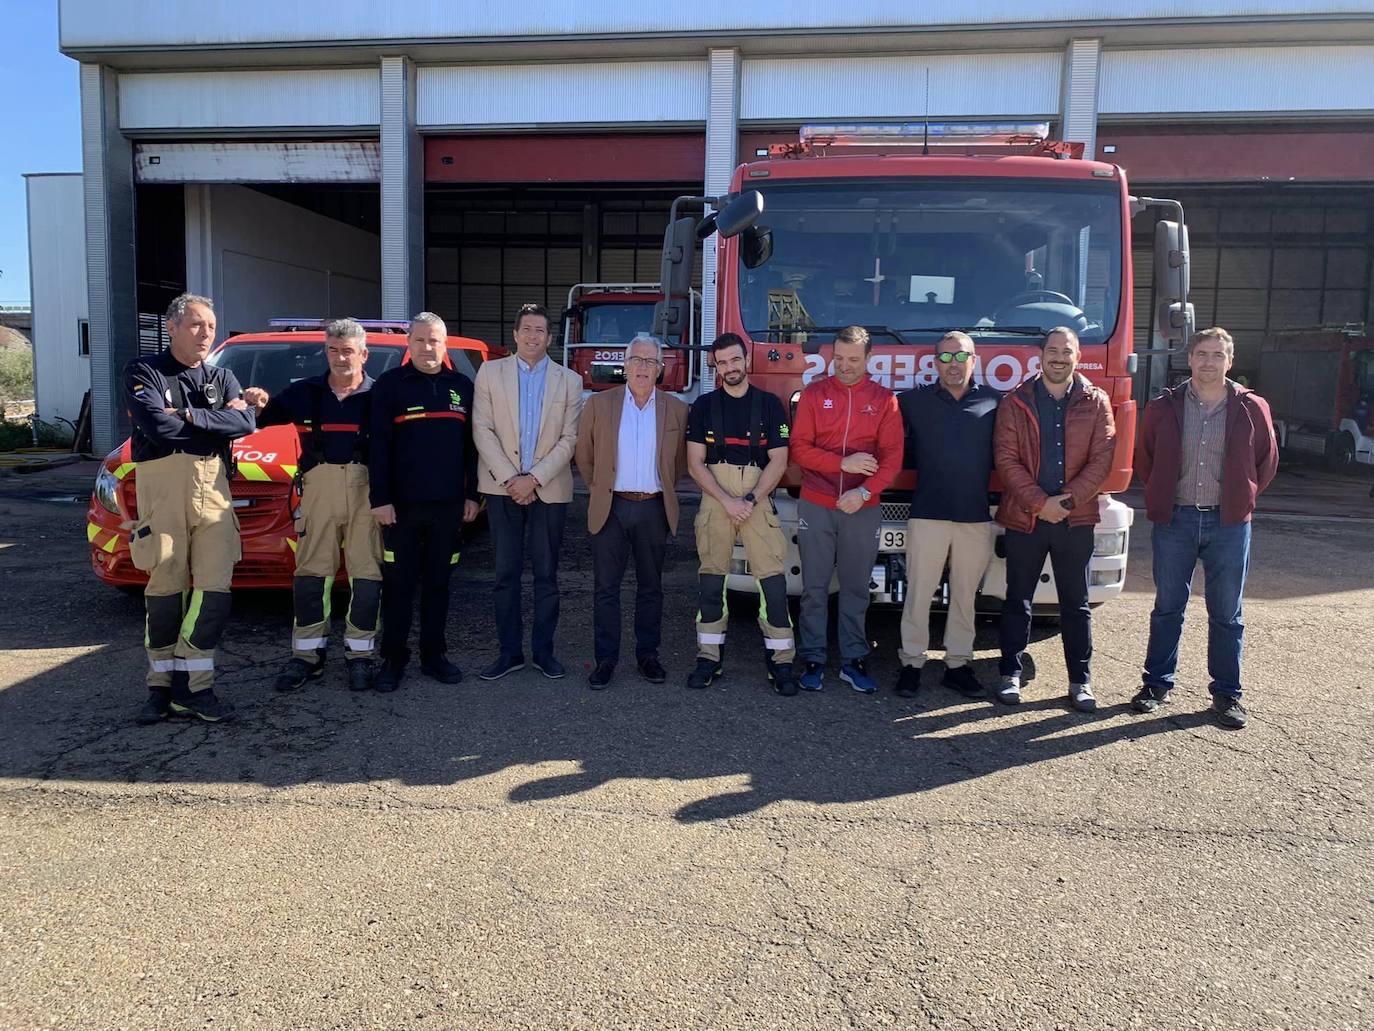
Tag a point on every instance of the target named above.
point(949, 444)
point(1051, 413)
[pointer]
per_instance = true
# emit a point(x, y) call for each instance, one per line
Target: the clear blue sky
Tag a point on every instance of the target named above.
point(40, 126)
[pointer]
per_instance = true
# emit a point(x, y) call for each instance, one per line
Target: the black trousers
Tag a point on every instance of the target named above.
point(514, 527)
point(1070, 549)
point(638, 529)
point(419, 549)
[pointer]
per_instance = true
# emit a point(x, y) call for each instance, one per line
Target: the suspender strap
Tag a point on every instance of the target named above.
point(717, 426)
point(756, 427)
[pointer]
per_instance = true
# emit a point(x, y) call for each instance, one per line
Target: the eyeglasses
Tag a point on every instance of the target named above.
point(635, 359)
point(954, 356)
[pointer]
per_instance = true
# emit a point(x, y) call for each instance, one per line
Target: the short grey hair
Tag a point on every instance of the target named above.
point(1214, 333)
point(176, 311)
point(646, 338)
point(345, 329)
point(964, 341)
point(428, 318)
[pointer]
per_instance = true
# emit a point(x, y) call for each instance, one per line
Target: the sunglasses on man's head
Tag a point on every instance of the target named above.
point(954, 356)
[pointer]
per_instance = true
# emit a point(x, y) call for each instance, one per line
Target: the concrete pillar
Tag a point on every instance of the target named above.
point(1078, 94)
point(107, 164)
point(722, 146)
point(403, 194)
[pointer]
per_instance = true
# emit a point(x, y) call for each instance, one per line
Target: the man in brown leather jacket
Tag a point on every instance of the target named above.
point(1053, 447)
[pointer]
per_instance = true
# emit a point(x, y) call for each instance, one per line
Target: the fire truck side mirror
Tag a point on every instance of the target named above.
point(739, 214)
point(1173, 313)
point(755, 246)
point(679, 249)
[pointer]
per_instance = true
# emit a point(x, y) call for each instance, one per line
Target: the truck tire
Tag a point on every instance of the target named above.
point(1340, 452)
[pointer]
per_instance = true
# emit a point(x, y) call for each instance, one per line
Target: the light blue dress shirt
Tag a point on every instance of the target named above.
point(532, 379)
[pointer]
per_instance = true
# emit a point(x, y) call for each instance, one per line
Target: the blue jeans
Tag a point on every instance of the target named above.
point(1225, 553)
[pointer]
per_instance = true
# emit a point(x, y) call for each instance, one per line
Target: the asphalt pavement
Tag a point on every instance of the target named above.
point(528, 853)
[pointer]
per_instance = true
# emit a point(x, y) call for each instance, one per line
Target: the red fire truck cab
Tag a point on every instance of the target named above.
point(912, 231)
point(601, 320)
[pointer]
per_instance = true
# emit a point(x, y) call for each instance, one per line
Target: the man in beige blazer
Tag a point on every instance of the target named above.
point(631, 450)
point(524, 423)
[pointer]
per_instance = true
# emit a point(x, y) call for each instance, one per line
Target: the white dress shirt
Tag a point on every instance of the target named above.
point(636, 467)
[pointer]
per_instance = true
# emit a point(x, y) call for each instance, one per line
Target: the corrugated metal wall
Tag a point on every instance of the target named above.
point(1237, 79)
point(589, 93)
point(287, 98)
point(977, 85)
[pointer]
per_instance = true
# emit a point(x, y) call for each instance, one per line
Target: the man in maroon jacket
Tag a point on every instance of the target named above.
point(847, 437)
point(1206, 451)
point(1053, 446)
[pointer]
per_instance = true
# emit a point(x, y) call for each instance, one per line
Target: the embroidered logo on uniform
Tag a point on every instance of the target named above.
point(801, 523)
point(784, 432)
point(868, 410)
point(454, 397)
point(829, 402)
point(138, 388)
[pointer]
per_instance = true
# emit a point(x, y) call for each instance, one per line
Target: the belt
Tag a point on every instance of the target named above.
point(1201, 508)
point(637, 495)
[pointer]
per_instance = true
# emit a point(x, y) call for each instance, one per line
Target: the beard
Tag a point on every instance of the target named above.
point(1057, 376)
point(734, 379)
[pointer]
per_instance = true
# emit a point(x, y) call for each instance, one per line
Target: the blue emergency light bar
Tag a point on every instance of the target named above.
point(376, 325)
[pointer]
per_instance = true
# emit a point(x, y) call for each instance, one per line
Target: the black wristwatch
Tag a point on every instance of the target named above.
point(750, 498)
point(1066, 504)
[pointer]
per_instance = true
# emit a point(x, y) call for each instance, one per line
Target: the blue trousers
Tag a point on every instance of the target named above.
point(515, 529)
point(1193, 535)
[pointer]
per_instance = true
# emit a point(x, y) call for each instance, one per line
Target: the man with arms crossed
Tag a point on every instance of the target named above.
point(1206, 451)
point(525, 428)
point(949, 427)
point(737, 453)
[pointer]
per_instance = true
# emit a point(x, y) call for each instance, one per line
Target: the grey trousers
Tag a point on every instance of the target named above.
point(827, 538)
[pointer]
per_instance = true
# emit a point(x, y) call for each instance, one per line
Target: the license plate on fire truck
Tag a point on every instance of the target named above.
point(892, 538)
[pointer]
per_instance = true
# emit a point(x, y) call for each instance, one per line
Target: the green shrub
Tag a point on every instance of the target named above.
point(16, 374)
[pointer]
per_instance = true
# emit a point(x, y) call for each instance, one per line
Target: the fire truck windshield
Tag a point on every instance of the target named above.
point(615, 323)
point(920, 257)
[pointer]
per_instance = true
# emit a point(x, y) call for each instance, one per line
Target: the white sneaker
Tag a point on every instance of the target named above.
point(1081, 696)
point(1009, 691)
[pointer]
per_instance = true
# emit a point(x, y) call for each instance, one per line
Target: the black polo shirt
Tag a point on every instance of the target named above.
point(331, 430)
point(949, 444)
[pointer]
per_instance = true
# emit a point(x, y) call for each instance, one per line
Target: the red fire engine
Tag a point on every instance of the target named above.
point(911, 231)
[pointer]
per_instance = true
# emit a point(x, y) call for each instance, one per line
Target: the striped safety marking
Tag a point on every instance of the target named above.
point(105, 540)
point(412, 416)
point(124, 470)
point(253, 471)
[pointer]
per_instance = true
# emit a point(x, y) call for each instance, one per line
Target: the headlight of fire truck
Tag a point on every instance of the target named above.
point(107, 490)
point(1108, 544)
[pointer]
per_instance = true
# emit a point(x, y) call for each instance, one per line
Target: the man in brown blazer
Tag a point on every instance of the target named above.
point(631, 450)
point(524, 423)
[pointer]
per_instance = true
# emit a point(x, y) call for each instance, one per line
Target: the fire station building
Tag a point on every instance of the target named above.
point(314, 158)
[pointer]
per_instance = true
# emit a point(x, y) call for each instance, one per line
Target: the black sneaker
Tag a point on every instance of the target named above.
point(438, 667)
point(551, 667)
point(651, 669)
point(156, 709)
point(600, 678)
point(783, 678)
point(202, 705)
point(296, 673)
point(1230, 713)
point(908, 682)
point(388, 678)
point(360, 675)
point(504, 664)
point(963, 680)
point(1148, 699)
point(704, 674)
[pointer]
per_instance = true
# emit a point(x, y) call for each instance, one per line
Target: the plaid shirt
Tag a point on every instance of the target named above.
point(1204, 450)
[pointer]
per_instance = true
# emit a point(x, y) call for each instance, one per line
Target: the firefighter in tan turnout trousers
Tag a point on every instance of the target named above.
point(737, 452)
point(331, 413)
point(186, 538)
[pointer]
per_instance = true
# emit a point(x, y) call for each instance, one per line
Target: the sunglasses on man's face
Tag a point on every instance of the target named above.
point(954, 356)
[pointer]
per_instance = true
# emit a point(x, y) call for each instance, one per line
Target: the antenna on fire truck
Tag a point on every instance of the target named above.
point(925, 140)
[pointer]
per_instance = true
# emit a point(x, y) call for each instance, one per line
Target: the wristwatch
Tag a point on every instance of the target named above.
point(749, 498)
point(865, 493)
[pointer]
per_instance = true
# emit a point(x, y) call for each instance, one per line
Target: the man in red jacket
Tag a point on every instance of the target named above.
point(847, 437)
point(1206, 451)
point(1052, 446)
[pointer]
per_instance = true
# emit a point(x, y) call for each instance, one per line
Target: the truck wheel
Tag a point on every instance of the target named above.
point(1340, 452)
